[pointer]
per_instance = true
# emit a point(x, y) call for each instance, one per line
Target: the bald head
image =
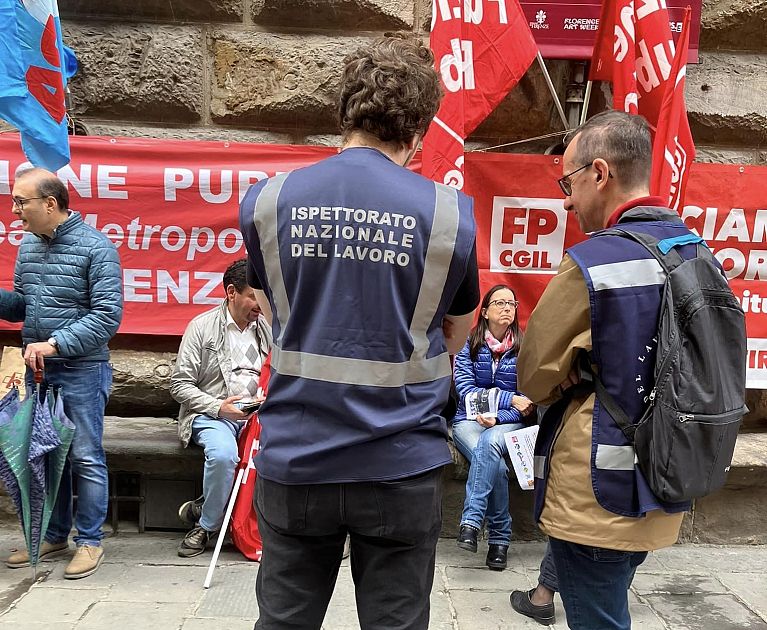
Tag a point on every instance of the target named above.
point(46, 184)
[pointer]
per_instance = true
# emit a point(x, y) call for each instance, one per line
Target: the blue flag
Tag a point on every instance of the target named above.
point(33, 79)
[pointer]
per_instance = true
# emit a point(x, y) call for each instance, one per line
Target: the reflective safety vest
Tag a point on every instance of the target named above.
point(360, 259)
point(624, 282)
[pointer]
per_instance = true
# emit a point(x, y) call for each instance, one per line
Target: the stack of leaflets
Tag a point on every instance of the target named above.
point(483, 402)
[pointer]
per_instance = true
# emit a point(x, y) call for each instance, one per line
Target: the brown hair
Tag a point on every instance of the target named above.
point(622, 140)
point(389, 89)
point(477, 334)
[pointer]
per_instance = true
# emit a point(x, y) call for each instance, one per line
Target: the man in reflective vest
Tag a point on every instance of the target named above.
point(591, 499)
point(368, 272)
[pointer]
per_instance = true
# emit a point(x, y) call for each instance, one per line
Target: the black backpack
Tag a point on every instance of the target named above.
point(685, 440)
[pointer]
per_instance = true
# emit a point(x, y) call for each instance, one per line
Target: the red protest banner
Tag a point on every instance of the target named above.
point(171, 209)
point(170, 206)
point(481, 51)
point(523, 231)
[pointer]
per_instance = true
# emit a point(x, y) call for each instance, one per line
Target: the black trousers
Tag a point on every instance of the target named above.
point(393, 527)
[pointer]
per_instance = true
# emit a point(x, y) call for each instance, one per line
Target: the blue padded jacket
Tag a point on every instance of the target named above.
point(471, 376)
point(68, 287)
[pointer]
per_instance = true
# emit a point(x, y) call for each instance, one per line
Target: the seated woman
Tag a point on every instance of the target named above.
point(488, 361)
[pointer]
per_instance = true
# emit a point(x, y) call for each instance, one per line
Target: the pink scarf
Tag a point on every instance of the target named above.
point(499, 347)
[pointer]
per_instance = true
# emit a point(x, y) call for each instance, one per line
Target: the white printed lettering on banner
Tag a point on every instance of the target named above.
point(718, 228)
point(460, 62)
point(756, 363)
point(211, 188)
point(159, 286)
point(527, 235)
point(470, 11)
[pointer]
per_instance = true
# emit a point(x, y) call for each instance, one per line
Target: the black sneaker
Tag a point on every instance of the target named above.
point(542, 613)
point(194, 543)
point(191, 511)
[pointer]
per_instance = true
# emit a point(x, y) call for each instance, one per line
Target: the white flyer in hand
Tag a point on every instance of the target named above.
point(521, 445)
point(482, 403)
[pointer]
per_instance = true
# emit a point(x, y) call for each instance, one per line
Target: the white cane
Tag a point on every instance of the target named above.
point(224, 528)
point(230, 506)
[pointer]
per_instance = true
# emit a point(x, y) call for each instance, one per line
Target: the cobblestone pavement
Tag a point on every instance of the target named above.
point(144, 584)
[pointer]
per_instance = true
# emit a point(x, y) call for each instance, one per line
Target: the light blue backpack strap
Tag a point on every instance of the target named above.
point(667, 244)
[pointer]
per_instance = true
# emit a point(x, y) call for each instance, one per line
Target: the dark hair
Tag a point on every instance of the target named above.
point(389, 89)
point(622, 140)
point(235, 274)
point(48, 185)
point(477, 334)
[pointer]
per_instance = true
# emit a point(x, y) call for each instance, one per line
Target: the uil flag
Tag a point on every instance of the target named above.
point(481, 51)
point(32, 79)
point(635, 51)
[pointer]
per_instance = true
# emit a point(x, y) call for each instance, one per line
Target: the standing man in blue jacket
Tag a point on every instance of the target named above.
point(67, 290)
point(370, 273)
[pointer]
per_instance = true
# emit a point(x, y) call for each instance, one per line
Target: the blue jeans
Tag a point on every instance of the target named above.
point(594, 584)
point(218, 437)
point(84, 387)
point(487, 488)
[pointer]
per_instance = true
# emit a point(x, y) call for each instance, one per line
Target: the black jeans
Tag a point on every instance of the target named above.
point(393, 526)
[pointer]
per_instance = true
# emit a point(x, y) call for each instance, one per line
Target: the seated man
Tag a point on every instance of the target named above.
point(216, 372)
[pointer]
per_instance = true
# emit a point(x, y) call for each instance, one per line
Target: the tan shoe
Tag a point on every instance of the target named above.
point(84, 563)
point(48, 551)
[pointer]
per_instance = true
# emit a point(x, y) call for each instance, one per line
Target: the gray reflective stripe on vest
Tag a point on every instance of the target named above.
point(631, 273)
point(539, 466)
point(418, 369)
point(611, 457)
point(265, 220)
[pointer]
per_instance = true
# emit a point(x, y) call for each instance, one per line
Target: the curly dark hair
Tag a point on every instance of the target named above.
point(389, 89)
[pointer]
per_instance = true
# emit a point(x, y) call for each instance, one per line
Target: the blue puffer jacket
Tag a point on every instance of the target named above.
point(471, 376)
point(68, 287)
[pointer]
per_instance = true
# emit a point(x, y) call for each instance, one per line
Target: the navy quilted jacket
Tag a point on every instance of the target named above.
point(472, 376)
point(68, 287)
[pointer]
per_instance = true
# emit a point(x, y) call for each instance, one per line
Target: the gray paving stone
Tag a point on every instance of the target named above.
point(108, 575)
point(149, 615)
point(713, 559)
point(677, 584)
point(159, 584)
point(751, 588)
point(704, 612)
point(232, 593)
point(644, 618)
point(483, 610)
point(473, 579)
point(229, 623)
point(50, 605)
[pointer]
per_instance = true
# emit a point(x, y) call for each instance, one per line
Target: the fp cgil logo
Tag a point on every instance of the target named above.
point(527, 235)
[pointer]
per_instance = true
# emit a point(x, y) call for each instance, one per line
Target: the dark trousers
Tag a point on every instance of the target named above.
point(548, 573)
point(393, 527)
point(594, 584)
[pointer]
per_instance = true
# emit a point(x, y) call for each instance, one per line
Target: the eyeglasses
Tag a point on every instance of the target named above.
point(564, 182)
point(567, 186)
point(20, 201)
point(504, 303)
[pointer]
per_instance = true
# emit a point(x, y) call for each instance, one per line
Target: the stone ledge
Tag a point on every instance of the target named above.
point(365, 15)
point(171, 10)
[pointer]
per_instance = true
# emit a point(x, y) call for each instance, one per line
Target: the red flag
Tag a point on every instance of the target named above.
point(635, 50)
point(481, 50)
point(673, 148)
point(244, 524)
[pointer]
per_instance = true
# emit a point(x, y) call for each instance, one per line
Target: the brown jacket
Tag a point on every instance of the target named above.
point(559, 328)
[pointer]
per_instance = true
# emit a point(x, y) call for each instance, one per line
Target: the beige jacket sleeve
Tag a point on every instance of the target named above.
point(559, 327)
point(186, 376)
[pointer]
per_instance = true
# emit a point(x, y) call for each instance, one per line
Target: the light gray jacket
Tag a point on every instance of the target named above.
point(203, 367)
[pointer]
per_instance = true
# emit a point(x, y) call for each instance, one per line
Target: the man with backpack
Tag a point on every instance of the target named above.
point(632, 404)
